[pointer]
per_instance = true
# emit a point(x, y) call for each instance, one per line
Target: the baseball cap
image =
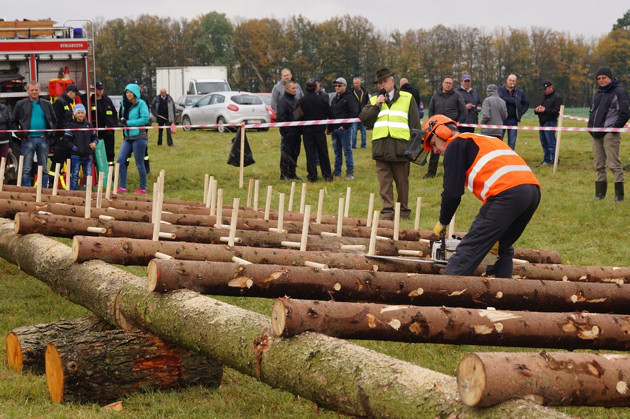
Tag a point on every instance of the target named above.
point(341, 80)
point(99, 85)
point(466, 77)
point(547, 84)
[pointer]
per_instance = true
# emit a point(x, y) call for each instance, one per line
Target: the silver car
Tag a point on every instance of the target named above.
point(184, 102)
point(226, 108)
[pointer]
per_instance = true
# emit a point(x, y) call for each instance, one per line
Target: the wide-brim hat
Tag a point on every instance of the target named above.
point(382, 74)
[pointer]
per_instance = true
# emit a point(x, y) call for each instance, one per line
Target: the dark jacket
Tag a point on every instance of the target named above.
point(388, 148)
point(5, 123)
point(609, 108)
point(407, 87)
point(515, 101)
point(552, 103)
point(362, 99)
point(286, 105)
point(21, 117)
point(344, 106)
point(471, 96)
point(105, 110)
point(170, 110)
point(315, 108)
point(63, 112)
point(78, 142)
point(450, 104)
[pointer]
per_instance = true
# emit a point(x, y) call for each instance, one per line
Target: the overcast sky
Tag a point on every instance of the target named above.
point(576, 17)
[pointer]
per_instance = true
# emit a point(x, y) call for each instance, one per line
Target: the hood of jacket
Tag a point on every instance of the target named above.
point(492, 90)
point(134, 88)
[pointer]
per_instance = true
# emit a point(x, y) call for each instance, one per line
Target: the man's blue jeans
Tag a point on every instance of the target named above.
point(76, 164)
point(510, 132)
point(548, 141)
point(137, 147)
point(341, 145)
point(38, 146)
point(355, 128)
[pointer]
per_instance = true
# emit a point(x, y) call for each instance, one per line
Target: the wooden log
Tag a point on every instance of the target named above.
point(26, 345)
point(273, 281)
point(28, 223)
point(105, 366)
point(549, 378)
point(452, 325)
point(349, 379)
point(10, 207)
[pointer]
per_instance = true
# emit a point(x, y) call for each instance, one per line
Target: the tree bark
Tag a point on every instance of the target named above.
point(345, 377)
point(451, 325)
point(105, 366)
point(555, 378)
point(26, 345)
point(274, 281)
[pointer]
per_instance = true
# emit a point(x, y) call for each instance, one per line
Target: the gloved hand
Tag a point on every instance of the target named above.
point(495, 249)
point(123, 122)
point(438, 229)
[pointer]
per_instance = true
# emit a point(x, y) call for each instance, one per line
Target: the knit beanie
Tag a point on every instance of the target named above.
point(79, 108)
point(604, 71)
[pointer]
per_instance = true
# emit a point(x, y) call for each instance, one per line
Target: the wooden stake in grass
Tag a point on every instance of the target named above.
point(340, 209)
point(303, 198)
point(116, 176)
point(3, 163)
point(206, 178)
point(68, 171)
point(40, 172)
point(108, 189)
point(88, 196)
point(210, 186)
point(280, 228)
point(219, 218)
point(556, 157)
point(291, 195)
point(372, 247)
point(213, 197)
point(99, 190)
point(416, 224)
point(250, 188)
point(320, 206)
point(370, 210)
point(233, 221)
point(158, 197)
point(305, 224)
point(256, 187)
point(396, 220)
point(242, 158)
point(56, 183)
point(20, 170)
point(268, 202)
point(346, 211)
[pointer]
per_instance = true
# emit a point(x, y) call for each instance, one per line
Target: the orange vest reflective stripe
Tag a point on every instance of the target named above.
point(496, 168)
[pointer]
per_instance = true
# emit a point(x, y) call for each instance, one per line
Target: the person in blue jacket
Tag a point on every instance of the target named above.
point(135, 113)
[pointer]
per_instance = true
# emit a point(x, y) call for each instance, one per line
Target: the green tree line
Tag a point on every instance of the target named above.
point(256, 50)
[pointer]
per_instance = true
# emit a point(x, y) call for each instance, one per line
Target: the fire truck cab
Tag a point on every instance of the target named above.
point(55, 56)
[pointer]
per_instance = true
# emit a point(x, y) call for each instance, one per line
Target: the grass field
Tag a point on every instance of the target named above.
point(568, 220)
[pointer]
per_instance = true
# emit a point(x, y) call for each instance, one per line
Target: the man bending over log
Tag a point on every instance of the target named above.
point(496, 175)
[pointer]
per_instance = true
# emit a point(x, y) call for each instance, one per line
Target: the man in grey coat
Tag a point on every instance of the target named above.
point(493, 111)
point(163, 107)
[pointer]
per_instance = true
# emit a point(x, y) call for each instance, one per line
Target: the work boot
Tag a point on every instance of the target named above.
point(600, 190)
point(618, 192)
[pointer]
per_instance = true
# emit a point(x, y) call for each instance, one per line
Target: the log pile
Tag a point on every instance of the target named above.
point(338, 276)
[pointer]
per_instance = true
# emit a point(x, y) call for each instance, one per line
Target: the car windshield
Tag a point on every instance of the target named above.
point(246, 100)
point(204, 87)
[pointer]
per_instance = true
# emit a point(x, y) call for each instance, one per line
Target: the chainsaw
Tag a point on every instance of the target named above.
point(441, 252)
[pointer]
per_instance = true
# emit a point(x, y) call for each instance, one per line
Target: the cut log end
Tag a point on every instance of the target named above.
point(14, 352)
point(16, 223)
point(278, 317)
point(75, 249)
point(54, 374)
point(471, 380)
point(152, 276)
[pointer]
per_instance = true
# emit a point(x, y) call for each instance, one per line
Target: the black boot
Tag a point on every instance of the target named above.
point(618, 192)
point(600, 190)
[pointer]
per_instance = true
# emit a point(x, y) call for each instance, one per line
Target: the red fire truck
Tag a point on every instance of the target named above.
point(55, 56)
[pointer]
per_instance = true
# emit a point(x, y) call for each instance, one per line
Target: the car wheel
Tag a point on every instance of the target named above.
point(185, 122)
point(221, 127)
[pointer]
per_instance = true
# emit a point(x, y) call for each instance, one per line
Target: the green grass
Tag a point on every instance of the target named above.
point(568, 220)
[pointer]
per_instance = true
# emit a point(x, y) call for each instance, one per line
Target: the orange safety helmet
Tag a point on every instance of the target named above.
point(437, 125)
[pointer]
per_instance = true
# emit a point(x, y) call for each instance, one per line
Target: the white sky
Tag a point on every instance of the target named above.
point(576, 17)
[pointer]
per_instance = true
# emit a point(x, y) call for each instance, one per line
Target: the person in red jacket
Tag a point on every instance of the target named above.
point(499, 178)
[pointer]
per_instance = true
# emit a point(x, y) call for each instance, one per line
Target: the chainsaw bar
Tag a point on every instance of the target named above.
point(399, 259)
